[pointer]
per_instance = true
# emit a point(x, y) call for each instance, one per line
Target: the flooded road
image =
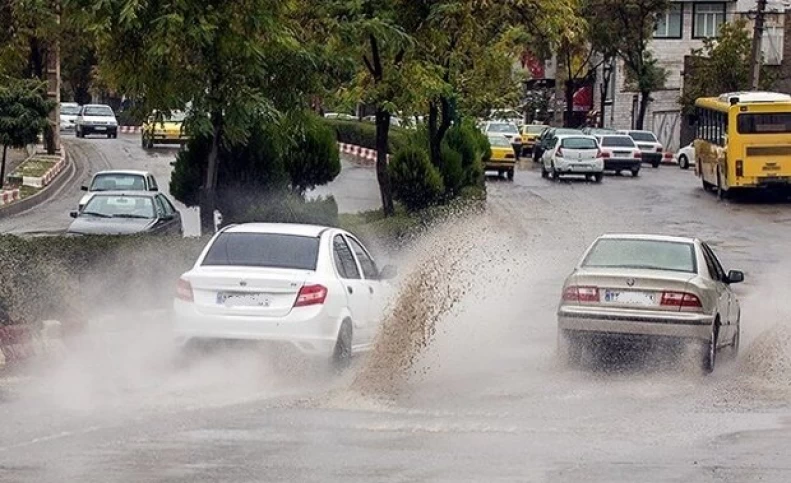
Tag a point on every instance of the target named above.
point(483, 398)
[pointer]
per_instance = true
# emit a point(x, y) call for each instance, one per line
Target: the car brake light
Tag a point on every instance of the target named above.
point(659, 149)
point(311, 295)
point(559, 153)
point(509, 156)
point(680, 299)
point(184, 291)
point(638, 154)
point(602, 154)
point(574, 293)
point(668, 155)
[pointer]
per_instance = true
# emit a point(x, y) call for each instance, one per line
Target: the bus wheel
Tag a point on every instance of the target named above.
point(721, 192)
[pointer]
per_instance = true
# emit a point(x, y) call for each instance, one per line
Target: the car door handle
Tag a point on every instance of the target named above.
point(351, 290)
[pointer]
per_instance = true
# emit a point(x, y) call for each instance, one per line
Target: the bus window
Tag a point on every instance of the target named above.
point(773, 123)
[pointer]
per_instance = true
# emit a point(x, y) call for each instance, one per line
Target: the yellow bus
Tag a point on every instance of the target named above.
point(743, 140)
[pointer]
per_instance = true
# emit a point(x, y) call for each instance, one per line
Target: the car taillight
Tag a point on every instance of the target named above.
point(659, 149)
point(680, 300)
point(559, 153)
point(602, 154)
point(668, 155)
point(509, 156)
point(311, 295)
point(184, 291)
point(574, 293)
point(638, 154)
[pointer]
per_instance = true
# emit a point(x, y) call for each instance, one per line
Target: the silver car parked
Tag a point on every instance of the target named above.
point(650, 286)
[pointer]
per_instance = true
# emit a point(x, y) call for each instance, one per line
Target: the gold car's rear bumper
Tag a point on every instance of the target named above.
point(685, 325)
point(500, 164)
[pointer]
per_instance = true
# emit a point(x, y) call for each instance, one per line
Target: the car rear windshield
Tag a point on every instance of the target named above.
point(534, 129)
point(70, 110)
point(264, 250)
point(98, 111)
point(617, 142)
point(642, 254)
point(118, 182)
point(769, 123)
point(500, 141)
point(578, 143)
point(503, 128)
point(643, 136)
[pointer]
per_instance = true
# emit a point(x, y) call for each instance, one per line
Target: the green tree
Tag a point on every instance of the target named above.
point(721, 65)
point(23, 114)
point(232, 62)
point(312, 158)
point(624, 28)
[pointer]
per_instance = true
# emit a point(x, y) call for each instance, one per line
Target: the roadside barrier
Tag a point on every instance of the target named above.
point(362, 155)
point(9, 196)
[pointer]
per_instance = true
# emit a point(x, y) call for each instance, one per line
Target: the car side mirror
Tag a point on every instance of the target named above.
point(388, 272)
point(734, 276)
point(73, 214)
point(84, 188)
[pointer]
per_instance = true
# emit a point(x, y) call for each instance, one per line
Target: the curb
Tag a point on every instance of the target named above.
point(364, 156)
point(42, 181)
point(129, 129)
point(65, 173)
point(9, 196)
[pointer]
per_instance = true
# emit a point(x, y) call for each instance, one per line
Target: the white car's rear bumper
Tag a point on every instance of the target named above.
point(310, 330)
point(564, 166)
point(684, 325)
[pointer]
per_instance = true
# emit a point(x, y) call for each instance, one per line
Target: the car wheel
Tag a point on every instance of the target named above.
point(544, 172)
point(683, 162)
point(709, 351)
point(706, 185)
point(722, 193)
point(569, 349)
point(342, 355)
point(618, 173)
point(635, 172)
point(737, 338)
point(510, 174)
point(655, 164)
point(598, 177)
point(555, 174)
point(109, 135)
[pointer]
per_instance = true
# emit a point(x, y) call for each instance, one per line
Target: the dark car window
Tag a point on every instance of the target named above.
point(160, 207)
point(715, 268)
point(344, 260)
point(642, 254)
point(643, 136)
point(118, 182)
point(97, 111)
point(169, 208)
point(617, 142)
point(152, 184)
point(369, 267)
point(271, 250)
point(579, 143)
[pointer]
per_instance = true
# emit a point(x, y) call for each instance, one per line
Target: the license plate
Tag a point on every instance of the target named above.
point(629, 298)
point(621, 154)
point(243, 300)
point(99, 128)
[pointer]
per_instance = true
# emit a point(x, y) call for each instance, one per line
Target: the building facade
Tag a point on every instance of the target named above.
point(681, 30)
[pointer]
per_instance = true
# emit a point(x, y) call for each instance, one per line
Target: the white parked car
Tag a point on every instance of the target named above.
point(685, 157)
point(96, 119)
point(314, 288)
point(68, 115)
point(573, 154)
point(118, 180)
point(638, 287)
point(649, 145)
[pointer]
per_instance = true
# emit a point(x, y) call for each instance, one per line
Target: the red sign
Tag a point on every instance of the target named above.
point(533, 64)
point(583, 98)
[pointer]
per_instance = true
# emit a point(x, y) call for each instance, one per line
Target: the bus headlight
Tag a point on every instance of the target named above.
point(739, 168)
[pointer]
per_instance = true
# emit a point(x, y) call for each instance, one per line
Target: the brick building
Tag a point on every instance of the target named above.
point(680, 30)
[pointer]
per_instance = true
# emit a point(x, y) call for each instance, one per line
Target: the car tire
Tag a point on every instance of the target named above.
point(597, 178)
point(555, 174)
point(655, 164)
point(510, 174)
point(342, 354)
point(544, 172)
point(709, 351)
point(109, 135)
point(618, 173)
point(706, 185)
point(683, 162)
point(569, 349)
point(722, 193)
point(635, 172)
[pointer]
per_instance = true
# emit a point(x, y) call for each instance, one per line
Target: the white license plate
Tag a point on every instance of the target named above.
point(629, 298)
point(99, 128)
point(243, 299)
point(621, 154)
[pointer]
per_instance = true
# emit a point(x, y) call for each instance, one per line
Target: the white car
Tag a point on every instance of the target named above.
point(316, 289)
point(118, 180)
point(96, 119)
point(68, 115)
point(685, 157)
point(649, 145)
point(573, 154)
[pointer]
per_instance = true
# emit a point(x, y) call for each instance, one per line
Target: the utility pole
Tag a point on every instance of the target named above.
point(53, 85)
point(755, 54)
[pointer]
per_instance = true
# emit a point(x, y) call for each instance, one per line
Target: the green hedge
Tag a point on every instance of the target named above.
point(364, 134)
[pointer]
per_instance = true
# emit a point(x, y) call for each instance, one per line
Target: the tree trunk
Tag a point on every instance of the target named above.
point(208, 197)
point(645, 98)
point(2, 166)
point(569, 103)
point(382, 175)
point(434, 150)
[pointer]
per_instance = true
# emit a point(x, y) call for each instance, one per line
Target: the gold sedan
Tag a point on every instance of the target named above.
point(164, 130)
point(502, 157)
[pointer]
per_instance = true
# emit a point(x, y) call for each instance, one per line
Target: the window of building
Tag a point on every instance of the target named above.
point(707, 19)
point(669, 24)
point(772, 44)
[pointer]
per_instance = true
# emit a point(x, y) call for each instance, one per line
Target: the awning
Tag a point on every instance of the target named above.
point(583, 99)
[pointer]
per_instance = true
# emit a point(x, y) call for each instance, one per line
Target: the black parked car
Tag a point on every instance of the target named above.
point(127, 213)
